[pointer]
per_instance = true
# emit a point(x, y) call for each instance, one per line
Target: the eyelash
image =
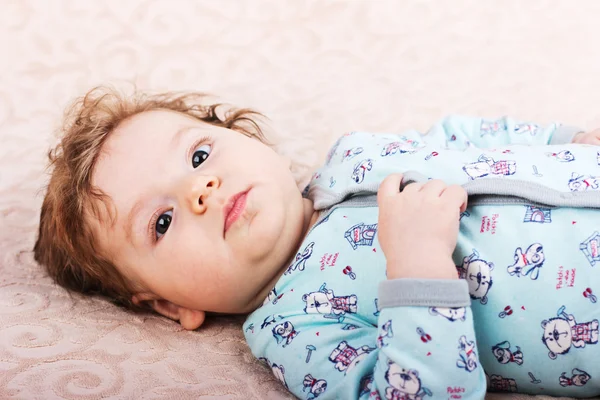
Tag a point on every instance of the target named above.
point(156, 215)
point(193, 147)
point(152, 225)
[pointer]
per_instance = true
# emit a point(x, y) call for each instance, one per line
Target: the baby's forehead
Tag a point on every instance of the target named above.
point(133, 152)
point(154, 123)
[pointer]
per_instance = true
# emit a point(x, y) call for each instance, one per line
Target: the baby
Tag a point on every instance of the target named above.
point(370, 283)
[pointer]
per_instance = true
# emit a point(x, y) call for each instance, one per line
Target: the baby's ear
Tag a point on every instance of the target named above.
point(189, 319)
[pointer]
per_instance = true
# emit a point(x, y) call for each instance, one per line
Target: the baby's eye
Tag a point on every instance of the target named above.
point(162, 223)
point(200, 155)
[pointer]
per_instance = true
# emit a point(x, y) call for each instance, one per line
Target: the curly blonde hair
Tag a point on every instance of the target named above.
point(66, 244)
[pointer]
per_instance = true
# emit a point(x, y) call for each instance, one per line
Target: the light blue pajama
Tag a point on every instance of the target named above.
point(522, 318)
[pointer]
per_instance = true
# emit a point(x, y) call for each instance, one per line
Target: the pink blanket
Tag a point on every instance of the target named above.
point(317, 68)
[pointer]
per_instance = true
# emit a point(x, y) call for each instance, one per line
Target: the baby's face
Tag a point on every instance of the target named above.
point(206, 218)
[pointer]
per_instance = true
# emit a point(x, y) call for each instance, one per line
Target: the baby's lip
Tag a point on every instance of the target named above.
point(229, 207)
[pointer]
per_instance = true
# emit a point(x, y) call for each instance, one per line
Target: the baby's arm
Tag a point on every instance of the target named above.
point(458, 132)
point(423, 301)
point(418, 350)
point(433, 340)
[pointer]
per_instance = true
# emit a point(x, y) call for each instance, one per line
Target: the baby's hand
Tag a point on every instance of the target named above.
point(592, 137)
point(418, 228)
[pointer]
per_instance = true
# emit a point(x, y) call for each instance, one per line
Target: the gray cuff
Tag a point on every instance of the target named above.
point(424, 292)
point(564, 134)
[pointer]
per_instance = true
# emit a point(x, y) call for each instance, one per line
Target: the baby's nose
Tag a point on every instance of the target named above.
point(199, 190)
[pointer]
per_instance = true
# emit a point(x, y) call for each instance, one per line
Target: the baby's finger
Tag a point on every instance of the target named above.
point(434, 187)
point(592, 138)
point(390, 186)
point(412, 187)
point(457, 196)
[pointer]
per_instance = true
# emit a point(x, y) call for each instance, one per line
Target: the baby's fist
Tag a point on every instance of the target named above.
point(418, 227)
point(592, 137)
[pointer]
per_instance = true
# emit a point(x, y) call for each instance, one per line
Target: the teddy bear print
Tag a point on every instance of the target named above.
point(324, 302)
point(563, 332)
point(478, 274)
point(405, 384)
point(485, 166)
point(528, 263)
point(347, 357)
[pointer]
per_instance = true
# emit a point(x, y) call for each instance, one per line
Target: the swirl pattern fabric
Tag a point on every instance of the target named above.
point(317, 69)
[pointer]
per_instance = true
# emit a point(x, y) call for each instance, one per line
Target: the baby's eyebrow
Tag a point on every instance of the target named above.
point(179, 134)
point(131, 219)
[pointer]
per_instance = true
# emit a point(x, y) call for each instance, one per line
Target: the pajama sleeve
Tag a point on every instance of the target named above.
point(427, 341)
point(423, 347)
point(460, 132)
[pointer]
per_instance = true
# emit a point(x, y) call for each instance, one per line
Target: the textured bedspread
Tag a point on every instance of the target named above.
point(316, 68)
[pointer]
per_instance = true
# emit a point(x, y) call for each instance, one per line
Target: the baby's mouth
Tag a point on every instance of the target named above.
point(234, 209)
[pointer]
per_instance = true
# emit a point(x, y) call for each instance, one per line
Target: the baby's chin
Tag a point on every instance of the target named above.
point(265, 239)
point(243, 307)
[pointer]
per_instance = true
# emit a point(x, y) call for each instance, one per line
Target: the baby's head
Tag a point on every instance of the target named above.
point(161, 202)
